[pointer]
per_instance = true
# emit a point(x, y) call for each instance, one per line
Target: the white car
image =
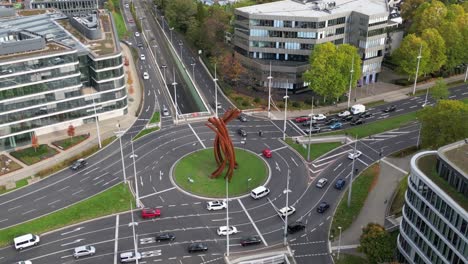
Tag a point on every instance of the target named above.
point(129, 257)
point(219, 106)
point(84, 251)
point(354, 155)
point(137, 34)
point(24, 262)
point(127, 5)
point(142, 57)
point(319, 117)
point(165, 111)
point(215, 205)
point(344, 113)
point(321, 183)
point(287, 211)
point(145, 76)
point(223, 230)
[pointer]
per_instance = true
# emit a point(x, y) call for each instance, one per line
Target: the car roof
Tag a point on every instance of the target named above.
point(322, 180)
point(285, 209)
point(127, 254)
point(259, 189)
point(23, 237)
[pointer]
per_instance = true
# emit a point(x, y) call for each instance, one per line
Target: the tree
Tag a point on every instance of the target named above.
point(180, 14)
point(436, 45)
point(406, 56)
point(439, 90)
point(443, 123)
point(34, 142)
point(329, 71)
point(429, 15)
point(408, 8)
point(231, 68)
point(71, 131)
point(376, 243)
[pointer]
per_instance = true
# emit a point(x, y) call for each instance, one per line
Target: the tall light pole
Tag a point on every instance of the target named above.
point(97, 123)
point(417, 69)
point(133, 224)
point(425, 100)
point(122, 155)
point(162, 20)
point(352, 173)
point(310, 128)
point(193, 70)
point(170, 29)
point(180, 45)
point(339, 244)
point(227, 216)
point(269, 92)
point(215, 80)
point(419, 135)
point(174, 84)
point(466, 73)
point(136, 179)
point(164, 72)
point(350, 81)
point(285, 234)
point(285, 112)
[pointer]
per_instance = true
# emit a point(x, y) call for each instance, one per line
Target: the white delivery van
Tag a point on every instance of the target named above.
point(259, 192)
point(358, 109)
point(25, 241)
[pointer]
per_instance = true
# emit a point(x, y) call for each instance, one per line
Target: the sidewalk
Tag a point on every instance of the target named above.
point(377, 201)
point(106, 127)
point(365, 94)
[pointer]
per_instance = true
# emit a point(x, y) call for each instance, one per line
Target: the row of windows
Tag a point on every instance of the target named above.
point(35, 64)
point(295, 34)
point(102, 64)
point(453, 177)
point(278, 56)
point(371, 43)
point(281, 45)
point(457, 220)
point(107, 74)
point(295, 24)
point(371, 67)
point(38, 76)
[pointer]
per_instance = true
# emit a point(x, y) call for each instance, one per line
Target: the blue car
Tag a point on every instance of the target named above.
point(336, 125)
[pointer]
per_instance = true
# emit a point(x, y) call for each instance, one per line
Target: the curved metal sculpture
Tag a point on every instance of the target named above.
point(223, 148)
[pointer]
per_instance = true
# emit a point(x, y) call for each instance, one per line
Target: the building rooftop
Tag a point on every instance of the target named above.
point(308, 8)
point(456, 154)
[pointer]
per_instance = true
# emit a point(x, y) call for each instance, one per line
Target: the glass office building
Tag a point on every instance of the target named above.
point(434, 226)
point(53, 75)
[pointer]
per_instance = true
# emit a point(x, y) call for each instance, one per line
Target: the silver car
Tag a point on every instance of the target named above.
point(84, 251)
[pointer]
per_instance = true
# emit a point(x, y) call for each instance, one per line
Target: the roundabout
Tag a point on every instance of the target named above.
point(192, 173)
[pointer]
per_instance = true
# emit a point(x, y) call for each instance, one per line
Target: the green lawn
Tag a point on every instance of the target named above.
point(18, 184)
point(350, 259)
point(120, 25)
point(145, 132)
point(399, 200)
point(69, 142)
point(114, 200)
point(198, 166)
point(155, 118)
point(30, 155)
point(316, 150)
point(345, 216)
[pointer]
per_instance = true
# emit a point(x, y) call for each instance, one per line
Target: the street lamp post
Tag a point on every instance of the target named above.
point(285, 234)
point(121, 154)
point(162, 21)
point(310, 128)
point(417, 70)
point(175, 99)
point(164, 72)
point(352, 173)
point(350, 81)
point(466, 73)
point(97, 123)
point(193, 70)
point(285, 112)
point(181, 44)
point(133, 224)
point(136, 178)
point(170, 29)
point(339, 244)
point(227, 216)
point(215, 80)
point(269, 92)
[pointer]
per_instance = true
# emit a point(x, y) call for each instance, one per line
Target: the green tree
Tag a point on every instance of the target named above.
point(406, 56)
point(328, 74)
point(408, 8)
point(376, 243)
point(443, 123)
point(180, 14)
point(201, 12)
point(439, 90)
point(429, 15)
point(455, 42)
point(437, 50)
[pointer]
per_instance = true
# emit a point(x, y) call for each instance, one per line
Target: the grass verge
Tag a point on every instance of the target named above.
point(69, 142)
point(316, 150)
point(350, 259)
point(122, 31)
point(199, 165)
point(18, 184)
point(113, 200)
point(155, 118)
point(362, 185)
point(30, 155)
point(399, 199)
point(145, 132)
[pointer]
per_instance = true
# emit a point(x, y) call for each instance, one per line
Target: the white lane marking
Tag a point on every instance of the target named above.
point(279, 149)
point(147, 109)
point(73, 242)
point(99, 182)
point(74, 230)
point(338, 166)
point(77, 192)
point(63, 188)
point(84, 179)
point(13, 208)
point(27, 212)
point(253, 223)
point(297, 165)
point(329, 157)
point(367, 165)
point(394, 166)
point(88, 172)
point(116, 243)
point(413, 106)
point(166, 190)
point(141, 181)
point(219, 220)
point(56, 201)
point(40, 198)
point(3, 220)
point(201, 142)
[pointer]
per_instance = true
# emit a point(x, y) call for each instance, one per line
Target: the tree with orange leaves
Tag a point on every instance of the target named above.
point(34, 142)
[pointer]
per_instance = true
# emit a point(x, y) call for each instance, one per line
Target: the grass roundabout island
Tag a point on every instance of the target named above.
point(191, 173)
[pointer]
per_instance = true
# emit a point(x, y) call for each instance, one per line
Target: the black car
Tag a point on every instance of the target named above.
point(340, 183)
point(140, 44)
point(78, 164)
point(365, 115)
point(242, 132)
point(250, 240)
point(196, 247)
point(242, 118)
point(295, 227)
point(322, 207)
point(358, 121)
point(331, 121)
point(165, 237)
point(390, 109)
point(347, 118)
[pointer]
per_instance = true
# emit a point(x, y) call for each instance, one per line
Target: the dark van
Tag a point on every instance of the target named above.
point(340, 183)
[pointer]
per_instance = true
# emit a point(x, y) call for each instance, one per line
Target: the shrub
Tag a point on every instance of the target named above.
point(296, 104)
point(257, 100)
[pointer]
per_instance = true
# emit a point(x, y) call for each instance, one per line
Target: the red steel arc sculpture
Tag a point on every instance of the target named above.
point(223, 147)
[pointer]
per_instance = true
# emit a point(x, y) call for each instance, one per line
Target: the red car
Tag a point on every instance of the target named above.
point(150, 213)
point(301, 119)
point(266, 153)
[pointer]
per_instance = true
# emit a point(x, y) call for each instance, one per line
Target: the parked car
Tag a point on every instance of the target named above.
point(287, 211)
point(215, 205)
point(322, 207)
point(242, 118)
point(165, 111)
point(295, 227)
point(145, 76)
point(315, 129)
point(242, 132)
point(358, 121)
point(365, 115)
point(84, 251)
point(321, 183)
point(347, 118)
point(81, 163)
point(267, 153)
point(130, 256)
point(223, 230)
point(301, 119)
point(150, 213)
point(197, 247)
point(127, 6)
point(390, 109)
point(165, 237)
point(319, 117)
point(137, 34)
point(259, 192)
point(354, 155)
point(340, 183)
point(250, 240)
point(142, 57)
point(24, 262)
point(331, 121)
point(336, 125)
point(26, 241)
point(344, 113)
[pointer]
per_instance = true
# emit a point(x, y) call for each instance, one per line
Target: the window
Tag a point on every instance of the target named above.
point(339, 31)
point(278, 23)
point(336, 21)
point(307, 35)
point(259, 32)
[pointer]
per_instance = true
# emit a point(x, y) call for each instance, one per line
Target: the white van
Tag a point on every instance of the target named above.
point(259, 192)
point(358, 109)
point(25, 241)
